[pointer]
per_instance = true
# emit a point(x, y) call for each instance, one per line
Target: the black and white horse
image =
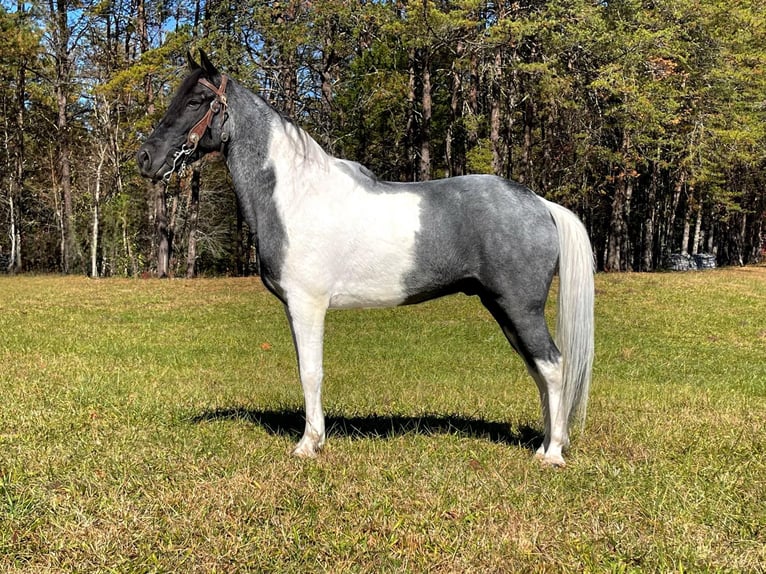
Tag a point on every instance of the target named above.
point(331, 235)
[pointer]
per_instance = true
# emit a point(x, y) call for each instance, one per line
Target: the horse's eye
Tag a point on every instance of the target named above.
point(193, 104)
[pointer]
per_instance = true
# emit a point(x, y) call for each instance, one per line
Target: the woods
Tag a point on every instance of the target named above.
point(646, 118)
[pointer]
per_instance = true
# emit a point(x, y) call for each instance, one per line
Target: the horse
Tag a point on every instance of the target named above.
point(331, 235)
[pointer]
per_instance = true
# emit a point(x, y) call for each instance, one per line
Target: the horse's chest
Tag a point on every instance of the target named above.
point(354, 250)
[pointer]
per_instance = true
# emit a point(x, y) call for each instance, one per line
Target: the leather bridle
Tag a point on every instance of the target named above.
point(218, 105)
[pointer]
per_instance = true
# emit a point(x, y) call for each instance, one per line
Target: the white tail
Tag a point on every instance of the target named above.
point(574, 325)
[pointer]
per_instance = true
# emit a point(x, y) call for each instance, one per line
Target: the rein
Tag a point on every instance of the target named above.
point(195, 134)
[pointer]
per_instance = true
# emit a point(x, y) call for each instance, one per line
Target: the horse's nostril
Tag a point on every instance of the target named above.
point(144, 159)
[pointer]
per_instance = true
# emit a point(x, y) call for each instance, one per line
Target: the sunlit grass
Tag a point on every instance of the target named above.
point(145, 426)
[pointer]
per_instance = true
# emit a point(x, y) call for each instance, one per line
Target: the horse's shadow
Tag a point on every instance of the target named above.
point(290, 422)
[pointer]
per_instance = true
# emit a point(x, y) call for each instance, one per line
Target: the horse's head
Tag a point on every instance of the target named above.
point(193, 125)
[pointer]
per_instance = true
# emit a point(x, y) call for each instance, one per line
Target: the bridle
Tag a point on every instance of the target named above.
point(195, 134)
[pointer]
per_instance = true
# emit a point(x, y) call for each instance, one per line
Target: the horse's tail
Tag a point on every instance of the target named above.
point(575, 325)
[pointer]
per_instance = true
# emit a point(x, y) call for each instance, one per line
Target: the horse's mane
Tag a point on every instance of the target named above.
point(303, 141)
point(312, 151)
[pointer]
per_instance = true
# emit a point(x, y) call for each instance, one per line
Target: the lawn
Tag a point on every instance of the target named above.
point(145, 426)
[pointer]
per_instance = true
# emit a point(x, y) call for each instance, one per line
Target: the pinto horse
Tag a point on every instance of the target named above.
point(332, 235)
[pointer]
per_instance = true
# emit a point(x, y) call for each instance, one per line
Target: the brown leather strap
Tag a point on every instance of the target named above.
point(219, 103)
point(220, 91)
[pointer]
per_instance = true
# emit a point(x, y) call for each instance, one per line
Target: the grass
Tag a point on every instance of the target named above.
point(145, 427)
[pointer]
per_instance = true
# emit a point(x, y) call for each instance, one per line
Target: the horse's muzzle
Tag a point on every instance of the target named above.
point(151, 164)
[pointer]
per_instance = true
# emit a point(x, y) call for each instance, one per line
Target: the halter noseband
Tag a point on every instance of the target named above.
point(195, 134)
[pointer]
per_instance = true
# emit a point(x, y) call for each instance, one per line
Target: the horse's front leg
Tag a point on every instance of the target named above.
point(306, 318)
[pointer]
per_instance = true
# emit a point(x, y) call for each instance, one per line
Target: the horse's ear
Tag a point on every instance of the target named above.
point(207, 66)
point(190, 61)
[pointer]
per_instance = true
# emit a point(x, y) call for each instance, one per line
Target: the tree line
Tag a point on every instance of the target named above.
point(644, 117)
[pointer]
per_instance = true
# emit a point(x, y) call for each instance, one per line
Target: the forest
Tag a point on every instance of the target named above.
point(645, 117)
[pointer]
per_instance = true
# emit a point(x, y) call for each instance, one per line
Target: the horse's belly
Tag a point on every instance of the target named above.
point(357, 300)
point(376, 283)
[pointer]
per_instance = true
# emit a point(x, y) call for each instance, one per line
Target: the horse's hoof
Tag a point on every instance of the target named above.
point(306, 450)
point(305, 453)
point(551, 461)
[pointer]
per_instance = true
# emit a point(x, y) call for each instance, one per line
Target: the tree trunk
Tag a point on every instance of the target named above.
point(65, 176)
point(12, 216)
point(127, 249)
point(647, 257)
point(143, 38)
point(494, 116)
point(287, 65)
point(172, 234)
point(193, 215)
point(12, 235)
point(687, 222)
point(411, 115)
point(161, 230)
point(455, 165)
point(96, 214)
point(56, 196)
point(158, 217)
point(329, 62)
point(61, 34)
point(711, 246)
point(668, 235)
point(509, 122)
point(16, 191)
point(424, 171)
point(243, 243)
point(741, 240)
point(527, 173)
point(472, 131)
point(618, 242)
point(758, 240)
point(617, 227)
point(697, 230)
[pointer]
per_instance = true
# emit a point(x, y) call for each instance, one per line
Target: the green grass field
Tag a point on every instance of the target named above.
point(145, 426)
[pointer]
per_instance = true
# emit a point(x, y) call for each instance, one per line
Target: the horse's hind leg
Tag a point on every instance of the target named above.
point(527, 332)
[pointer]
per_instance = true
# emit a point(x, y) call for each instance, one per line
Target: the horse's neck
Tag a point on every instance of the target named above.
point(272, 163)
point(269, 155)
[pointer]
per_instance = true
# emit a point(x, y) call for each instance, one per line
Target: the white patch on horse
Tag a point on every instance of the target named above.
point(346, 244)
